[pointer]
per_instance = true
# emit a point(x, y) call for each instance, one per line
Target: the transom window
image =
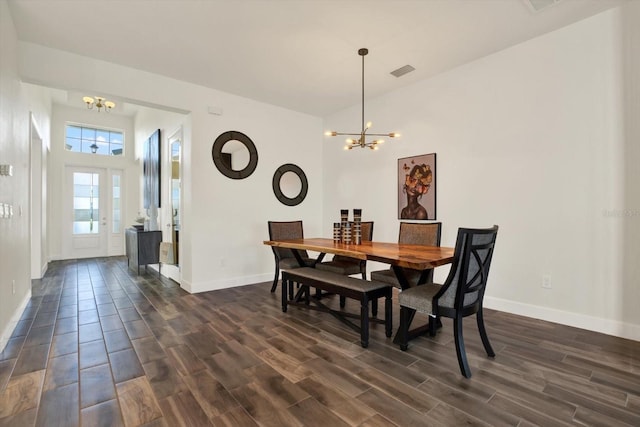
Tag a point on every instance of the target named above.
point(83, 139)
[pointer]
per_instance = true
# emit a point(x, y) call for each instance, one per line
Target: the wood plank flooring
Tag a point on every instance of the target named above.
point(99, 346)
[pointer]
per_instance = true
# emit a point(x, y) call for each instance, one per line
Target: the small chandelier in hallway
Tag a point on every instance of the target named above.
point(99, 103)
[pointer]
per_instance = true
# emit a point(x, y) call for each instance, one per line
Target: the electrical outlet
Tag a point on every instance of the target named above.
point(546, 281)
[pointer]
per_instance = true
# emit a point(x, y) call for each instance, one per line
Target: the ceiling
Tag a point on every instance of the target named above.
point(298, 54)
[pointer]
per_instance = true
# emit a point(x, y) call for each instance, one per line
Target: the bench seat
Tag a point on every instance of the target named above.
point(345, 286)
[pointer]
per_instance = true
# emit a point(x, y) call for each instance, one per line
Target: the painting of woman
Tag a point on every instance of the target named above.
point(416, 187)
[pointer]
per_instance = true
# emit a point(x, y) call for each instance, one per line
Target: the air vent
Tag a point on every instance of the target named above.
point(402, 71)
point(538, 5)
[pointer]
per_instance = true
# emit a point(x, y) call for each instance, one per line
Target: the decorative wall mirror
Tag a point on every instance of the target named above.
point(235, 155)
point(290, 184)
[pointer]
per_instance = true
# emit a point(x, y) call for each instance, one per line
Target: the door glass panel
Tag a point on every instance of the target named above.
point(115, 225)
point(86, 205)
point(175, 148)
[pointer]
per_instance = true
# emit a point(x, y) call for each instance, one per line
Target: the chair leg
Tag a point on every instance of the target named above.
point(406, 314)
point(460, 351)
point(275, 279)
point(364, 322)
point(285, 285)
point(343, 301)
point(433, 325)
point(483, 334)
point(374, 307)
point(388, 315)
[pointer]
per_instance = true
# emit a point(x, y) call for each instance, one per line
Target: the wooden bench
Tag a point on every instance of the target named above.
point(345, 286)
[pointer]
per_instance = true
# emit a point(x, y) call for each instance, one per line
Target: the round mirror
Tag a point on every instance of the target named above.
point(290, 184)
point(234, 154)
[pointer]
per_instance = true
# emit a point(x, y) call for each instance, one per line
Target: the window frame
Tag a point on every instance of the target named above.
point(97, 130)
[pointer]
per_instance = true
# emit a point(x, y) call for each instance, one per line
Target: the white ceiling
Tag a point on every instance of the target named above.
point(298, 54)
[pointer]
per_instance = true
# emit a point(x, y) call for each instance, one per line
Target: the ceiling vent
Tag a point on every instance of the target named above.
point(538, 5)
point(402, 71)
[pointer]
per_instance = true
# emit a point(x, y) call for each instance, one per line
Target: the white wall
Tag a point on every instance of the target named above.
point(628, 215)
point(39, 104)
point(15, 107)
point(532, 139)
point(229, 217)
point(224, 220)
point(147, 121)
point(60, 158)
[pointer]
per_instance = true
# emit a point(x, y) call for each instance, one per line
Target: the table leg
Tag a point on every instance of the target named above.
point(425, 276)
point(296, 253)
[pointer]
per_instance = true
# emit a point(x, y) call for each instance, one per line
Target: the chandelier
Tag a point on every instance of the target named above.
point(99, 102)
point(362, 136)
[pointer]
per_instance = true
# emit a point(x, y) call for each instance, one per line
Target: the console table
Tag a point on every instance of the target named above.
point(142, 247)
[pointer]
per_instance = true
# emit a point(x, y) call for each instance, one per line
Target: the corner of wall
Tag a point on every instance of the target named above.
point(15, 318)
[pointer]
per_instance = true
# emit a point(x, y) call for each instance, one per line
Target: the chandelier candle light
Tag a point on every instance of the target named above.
point(99, 102)
point(362, 136)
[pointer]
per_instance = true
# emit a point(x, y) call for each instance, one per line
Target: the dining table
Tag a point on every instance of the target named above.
point(401, 257)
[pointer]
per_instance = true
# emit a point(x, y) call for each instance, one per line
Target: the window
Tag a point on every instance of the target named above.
point(82, 139)
point(86, 203)
point(115, 226)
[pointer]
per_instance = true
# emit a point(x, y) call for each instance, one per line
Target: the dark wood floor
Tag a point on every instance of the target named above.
point(99, 346)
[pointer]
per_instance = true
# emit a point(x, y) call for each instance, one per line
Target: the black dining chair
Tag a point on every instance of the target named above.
point(284, 258)
point(412, 233)
point(460, 296)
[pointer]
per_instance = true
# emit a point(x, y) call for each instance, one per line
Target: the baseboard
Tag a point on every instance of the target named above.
point(15, 318)
point(172, 272)
point(590, 323)
point(577, 320)
point(230, 282)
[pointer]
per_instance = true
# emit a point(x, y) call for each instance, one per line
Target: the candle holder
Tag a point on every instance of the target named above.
point(357, 226)
point(344, 224)
point(337, 232)
point(357, 233)
point(346, 233)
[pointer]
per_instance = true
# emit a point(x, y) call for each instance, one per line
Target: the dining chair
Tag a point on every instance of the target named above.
point(460, 296)
point(347, 266)
point(284, 257)
point(413, 233)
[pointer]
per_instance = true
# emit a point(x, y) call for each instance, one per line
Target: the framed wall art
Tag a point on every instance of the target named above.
point(417, 187)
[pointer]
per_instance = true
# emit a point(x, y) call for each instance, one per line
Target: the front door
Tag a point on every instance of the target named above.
point(93, 212)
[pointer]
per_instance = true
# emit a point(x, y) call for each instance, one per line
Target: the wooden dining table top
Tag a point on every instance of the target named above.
point(416, 257)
